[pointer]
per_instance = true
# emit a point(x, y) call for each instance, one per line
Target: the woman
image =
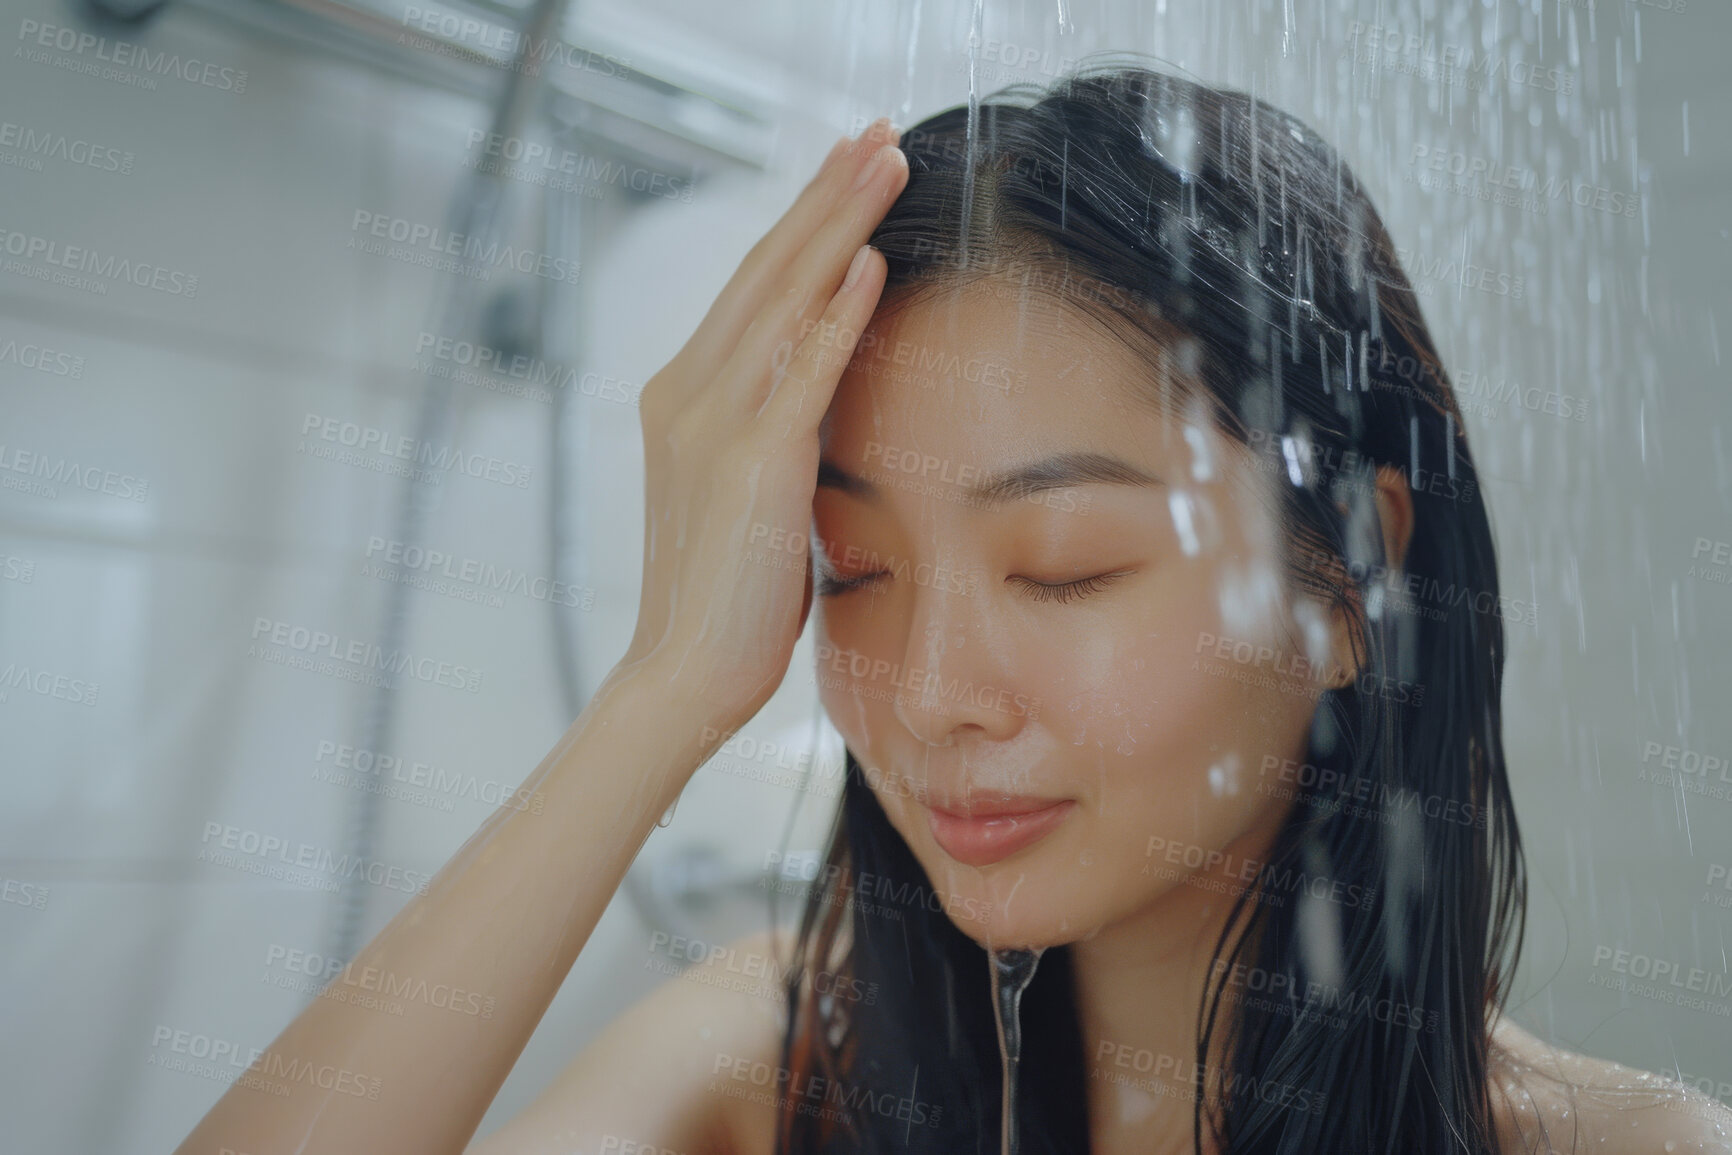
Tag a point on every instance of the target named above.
point(1159, 616)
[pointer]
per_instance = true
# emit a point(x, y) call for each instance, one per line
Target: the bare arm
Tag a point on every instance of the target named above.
point(731, 455)
point(503, 920)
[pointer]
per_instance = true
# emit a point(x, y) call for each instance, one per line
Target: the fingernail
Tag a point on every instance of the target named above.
point(856, 267)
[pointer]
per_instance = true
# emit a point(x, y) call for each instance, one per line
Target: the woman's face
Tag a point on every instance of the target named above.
point(1066, 689)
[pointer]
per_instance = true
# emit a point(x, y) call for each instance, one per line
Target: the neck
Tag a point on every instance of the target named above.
point(1140, 983)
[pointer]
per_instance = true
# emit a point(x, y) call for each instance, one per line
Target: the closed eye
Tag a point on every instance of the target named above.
point(1066, 591)
point(829, 585)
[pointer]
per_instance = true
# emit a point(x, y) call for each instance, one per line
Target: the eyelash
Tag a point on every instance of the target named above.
point(1067, 591)
point(830, 586)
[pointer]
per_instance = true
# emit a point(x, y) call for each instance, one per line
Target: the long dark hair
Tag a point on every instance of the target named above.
point(1229, 233)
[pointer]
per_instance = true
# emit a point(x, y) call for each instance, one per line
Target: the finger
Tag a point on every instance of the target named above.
point(813, 279)
point(749, 288)
point(800, 395)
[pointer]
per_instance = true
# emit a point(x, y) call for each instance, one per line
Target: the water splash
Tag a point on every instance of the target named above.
point(1224, 776)
point(1184, 521)
point(1198, 424)
point(1313, 623)
point(976, 30)
point(1012, 971)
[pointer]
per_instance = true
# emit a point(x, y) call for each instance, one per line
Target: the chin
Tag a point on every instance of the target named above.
point(1033, 900)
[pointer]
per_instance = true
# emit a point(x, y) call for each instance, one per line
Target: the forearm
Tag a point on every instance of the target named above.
point(502, 923)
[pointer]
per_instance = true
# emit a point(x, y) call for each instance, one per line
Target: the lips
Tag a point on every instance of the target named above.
point(986, 831)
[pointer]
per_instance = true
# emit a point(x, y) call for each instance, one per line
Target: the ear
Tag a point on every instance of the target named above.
point(1395, 514)
point(1394, 501)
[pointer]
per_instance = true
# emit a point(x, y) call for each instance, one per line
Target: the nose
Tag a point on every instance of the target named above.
point(952, 683)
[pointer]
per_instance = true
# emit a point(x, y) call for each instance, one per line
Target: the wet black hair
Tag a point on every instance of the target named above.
point(1213, 225)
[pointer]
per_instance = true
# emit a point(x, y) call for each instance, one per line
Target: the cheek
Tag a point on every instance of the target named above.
point(1166, 738)
point(848, 710)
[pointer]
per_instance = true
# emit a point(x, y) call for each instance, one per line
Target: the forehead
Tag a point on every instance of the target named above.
point(989, 372)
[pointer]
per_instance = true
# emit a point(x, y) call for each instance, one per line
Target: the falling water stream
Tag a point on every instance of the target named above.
point(1012, 970)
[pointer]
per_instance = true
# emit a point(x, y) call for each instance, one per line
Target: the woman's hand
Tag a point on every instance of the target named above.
point(731, 441)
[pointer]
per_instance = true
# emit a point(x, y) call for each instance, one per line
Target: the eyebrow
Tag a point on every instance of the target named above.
point(1060, 471)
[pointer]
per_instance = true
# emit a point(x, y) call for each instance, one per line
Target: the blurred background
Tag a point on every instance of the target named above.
point(315, 536)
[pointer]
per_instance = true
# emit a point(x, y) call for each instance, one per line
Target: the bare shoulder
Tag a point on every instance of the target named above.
point(1550, 1101)
point(749, 978)
point(676, 1071)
